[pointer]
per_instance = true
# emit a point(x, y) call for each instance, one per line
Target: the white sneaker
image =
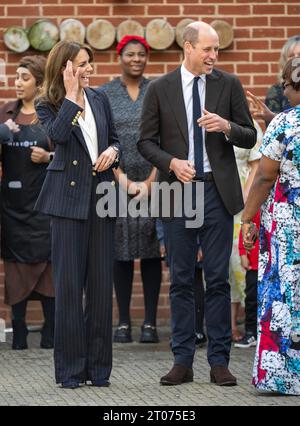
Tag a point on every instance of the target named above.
point(247, 341)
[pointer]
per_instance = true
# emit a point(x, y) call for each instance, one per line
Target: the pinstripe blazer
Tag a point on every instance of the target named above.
point(66, 191)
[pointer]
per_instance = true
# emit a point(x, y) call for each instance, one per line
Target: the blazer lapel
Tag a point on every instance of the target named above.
point(214, 88)
point(174, 95)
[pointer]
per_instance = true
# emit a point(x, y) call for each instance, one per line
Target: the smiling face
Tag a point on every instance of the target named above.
point(133, 60)
point(201, 56)
point(82, 60)
point(25, 84)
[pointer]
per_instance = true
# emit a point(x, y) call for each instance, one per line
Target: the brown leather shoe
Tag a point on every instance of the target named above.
point(177, 375)
point(221, 376)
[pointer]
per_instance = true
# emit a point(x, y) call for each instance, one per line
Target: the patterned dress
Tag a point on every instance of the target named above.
point(134, 237)
point(277, 359)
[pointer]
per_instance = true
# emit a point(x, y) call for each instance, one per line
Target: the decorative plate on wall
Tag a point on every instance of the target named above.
point(100, 34)
point(159, 34)
point(43, 35)
point(15, 38)
point(72, 30)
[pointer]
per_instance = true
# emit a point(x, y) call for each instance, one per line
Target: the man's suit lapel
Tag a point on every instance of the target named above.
point(214, 88)
point(175, 98)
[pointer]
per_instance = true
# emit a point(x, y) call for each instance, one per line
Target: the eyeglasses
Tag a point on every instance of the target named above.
point(284, 85)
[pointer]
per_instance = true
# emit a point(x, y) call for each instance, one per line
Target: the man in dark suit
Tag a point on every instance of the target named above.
point(191, 119)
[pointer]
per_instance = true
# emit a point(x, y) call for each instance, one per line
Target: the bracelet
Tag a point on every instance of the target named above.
point(245, 222)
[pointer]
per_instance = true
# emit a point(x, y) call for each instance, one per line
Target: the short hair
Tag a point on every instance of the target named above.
point(291, 42)
point(191, 35)
point(36, 64)
point(289, 69)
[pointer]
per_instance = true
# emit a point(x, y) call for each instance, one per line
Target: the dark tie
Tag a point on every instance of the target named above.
point(198, 139)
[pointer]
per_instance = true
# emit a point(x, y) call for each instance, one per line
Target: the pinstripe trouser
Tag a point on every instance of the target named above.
point(82, 261)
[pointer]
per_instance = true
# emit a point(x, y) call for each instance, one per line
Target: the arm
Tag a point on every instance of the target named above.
point(239, 130)
point(59, 126)
point(148, 144)
point(253, 168)
point(259, 109)
point(267, 173)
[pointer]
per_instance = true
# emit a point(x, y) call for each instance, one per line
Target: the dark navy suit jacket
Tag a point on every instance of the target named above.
point(67, 188)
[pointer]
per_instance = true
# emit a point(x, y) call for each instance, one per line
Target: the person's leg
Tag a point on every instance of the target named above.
point(151, 277)
point(199, 307)
point(69, 266)
point(48, 305)
point(251, 303)
point(123, 279)
point(216, 243)
point(181, 245)
point(19, 325)
point(98, 312)
point(99, 288)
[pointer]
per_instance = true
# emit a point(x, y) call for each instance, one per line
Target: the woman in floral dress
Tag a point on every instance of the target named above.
point(277, 185)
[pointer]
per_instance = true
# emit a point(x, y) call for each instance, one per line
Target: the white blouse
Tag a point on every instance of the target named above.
point(89, 130)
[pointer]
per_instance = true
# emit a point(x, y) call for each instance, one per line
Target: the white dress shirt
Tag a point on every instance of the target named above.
point(89, 130)
point(187, 79)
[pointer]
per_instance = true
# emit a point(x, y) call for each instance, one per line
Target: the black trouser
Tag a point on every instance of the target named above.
point(151, 277)
point(251, 302)
point(199, 300)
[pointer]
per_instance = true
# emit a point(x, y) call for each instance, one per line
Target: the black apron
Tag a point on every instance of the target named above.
point(25, 233)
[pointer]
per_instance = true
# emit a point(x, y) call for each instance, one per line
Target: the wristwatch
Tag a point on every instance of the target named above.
point(117, 151)
point(51, 156)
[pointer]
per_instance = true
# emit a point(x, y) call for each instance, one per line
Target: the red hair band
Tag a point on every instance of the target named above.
point(127, 39)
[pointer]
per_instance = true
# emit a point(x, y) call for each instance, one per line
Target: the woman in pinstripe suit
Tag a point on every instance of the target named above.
point(79, 121)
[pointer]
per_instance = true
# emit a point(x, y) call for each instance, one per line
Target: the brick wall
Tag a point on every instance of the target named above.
point(260, 29)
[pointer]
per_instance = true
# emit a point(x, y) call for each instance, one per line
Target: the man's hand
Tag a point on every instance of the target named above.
point(214, 123)
point(39, 155)
point(183, 169)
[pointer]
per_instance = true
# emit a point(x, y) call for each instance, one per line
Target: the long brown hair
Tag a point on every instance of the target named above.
point(53, 90)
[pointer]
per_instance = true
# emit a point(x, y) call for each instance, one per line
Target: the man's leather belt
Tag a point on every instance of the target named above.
point(207, 177)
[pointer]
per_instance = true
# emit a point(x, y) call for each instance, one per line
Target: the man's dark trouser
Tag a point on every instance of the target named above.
point(215, 238)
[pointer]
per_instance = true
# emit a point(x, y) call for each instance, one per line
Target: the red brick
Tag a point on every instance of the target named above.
point(233, 56)
point(128, 10)
point(259, 91)
point(163, 11)
point(65, 11)
point(19, 11)
point(289, 21)
point(244, 79)
point(267, 9)
point(8, 22)
point(252, 22)
point(268, 32)
point(241, 33)
point(252, 44)
point(198, 10)
point(277, 44)
point(292, 32)
point(293, 10)
point(165, 57)
point(93, 10)
point(263, 79)
point(265, 57)
point(226, 67)
point(234, 10)
point(252, 68)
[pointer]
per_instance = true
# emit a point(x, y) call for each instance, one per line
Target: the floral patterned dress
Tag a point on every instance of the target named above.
point(277, 359)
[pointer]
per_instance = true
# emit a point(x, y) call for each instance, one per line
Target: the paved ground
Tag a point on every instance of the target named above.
point(26, 378)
